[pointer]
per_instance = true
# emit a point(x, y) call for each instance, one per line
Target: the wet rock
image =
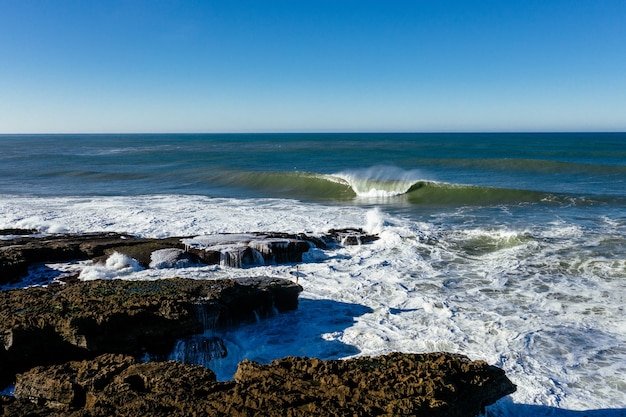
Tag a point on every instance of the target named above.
point(40, 326)
point(172, 258)
point(247, 249)
point(435, 384)
point(199, 349)
point(277, 250)
point(234, 250)
point(17, 232)
point(17, 254)
point(143, 250)
point(346, 237)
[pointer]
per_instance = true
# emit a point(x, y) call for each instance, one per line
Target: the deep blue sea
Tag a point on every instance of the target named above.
point(505, 247)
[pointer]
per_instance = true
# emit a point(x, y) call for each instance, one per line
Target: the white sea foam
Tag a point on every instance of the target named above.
point(379, 181)
point(545, 302)
point(374, 222)
point(116, 266)
point(170, 258)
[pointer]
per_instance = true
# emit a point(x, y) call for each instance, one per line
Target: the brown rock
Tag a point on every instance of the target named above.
point(436, 384)
point(16, 255)
point(40, 326)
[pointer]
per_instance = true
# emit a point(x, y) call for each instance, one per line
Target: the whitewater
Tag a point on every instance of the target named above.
point(520, 270)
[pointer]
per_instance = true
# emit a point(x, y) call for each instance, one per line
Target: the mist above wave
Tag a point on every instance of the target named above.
point(379, 181)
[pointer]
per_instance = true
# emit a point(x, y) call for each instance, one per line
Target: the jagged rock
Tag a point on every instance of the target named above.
point(435, 384)
point(349, 236)
point(68, 384)
point(234, 250)
point(244, 249)
point(17, 254)
point(40, 326)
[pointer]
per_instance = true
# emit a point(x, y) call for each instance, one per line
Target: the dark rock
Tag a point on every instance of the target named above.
point(435, 384)
point(17, 232)
point(67, 384)
point(241, 250)
point(209, 257)
point(346, 237)
point(142, 249)
point(199, 349)
point(40, 326)
point(17, 254)
point(234, 250)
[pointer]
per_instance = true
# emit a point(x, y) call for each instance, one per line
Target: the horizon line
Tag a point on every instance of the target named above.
point(328, 132)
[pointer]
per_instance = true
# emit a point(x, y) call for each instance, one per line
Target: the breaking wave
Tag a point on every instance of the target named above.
point(380, 185)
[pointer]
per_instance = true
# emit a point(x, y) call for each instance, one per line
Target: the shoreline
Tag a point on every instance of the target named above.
point(80, 321)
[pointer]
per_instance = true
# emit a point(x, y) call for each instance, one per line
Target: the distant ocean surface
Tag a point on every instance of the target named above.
point(505, 247)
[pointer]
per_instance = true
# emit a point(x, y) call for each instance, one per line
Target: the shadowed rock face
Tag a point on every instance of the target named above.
point(435, 384)
point(17, 232)
point(40, 326)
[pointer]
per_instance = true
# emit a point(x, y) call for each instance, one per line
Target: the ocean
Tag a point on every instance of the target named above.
point(510, 248)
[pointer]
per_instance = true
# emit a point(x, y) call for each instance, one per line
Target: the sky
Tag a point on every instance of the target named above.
point(87, 66)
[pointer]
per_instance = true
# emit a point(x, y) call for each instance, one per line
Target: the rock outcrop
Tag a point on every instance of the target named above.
point(40, 326)
point(434, 384)
point(18, 253)
point(72, 349)
point(246, 249)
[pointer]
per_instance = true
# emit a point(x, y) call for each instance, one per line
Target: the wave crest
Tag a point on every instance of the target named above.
point(382, 184)
point(379, 181)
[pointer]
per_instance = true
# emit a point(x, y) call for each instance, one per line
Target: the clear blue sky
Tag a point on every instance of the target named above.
point(295, 65)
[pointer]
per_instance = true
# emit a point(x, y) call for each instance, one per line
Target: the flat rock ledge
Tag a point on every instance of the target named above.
point(20, 249)
point(434, 384)
point(54, 324)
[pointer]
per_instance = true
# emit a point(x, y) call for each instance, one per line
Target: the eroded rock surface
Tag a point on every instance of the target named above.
point(40, 326)
point(435, 384)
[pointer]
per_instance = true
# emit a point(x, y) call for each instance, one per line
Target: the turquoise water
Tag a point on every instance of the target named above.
point(289, 165)
point(505, 247)
point(412, 174)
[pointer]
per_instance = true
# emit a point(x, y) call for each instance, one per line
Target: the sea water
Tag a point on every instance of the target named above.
point(510, 248)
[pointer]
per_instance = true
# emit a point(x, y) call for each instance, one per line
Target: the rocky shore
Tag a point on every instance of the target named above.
point(79, 348)
point(434, 384)
point(46, 325)
point(20, 249)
